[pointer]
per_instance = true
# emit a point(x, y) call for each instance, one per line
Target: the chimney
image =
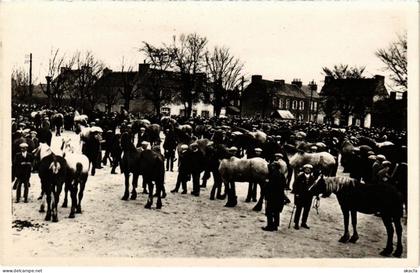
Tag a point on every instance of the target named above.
point(380, 79)
point(297, 82)
point(393, 95)
point(106, 71)
point(256, 78)
point(279, 82)
point(143, 68)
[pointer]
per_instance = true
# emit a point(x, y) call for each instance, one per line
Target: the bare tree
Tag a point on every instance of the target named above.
point(57, 67)
point(157, 84)
point(225, 72)
point(20, 84)
point(189, 60)
point(130, 88)
point(395, 59)
point(109, 95)
point(342, 71)
point(88, 71)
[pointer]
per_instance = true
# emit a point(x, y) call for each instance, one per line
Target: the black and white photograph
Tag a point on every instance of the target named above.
point(191, 133)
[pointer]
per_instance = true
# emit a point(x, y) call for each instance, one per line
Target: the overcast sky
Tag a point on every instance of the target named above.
point(276, 40)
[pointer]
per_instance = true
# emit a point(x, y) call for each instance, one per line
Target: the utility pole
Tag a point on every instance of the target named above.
point(30, 76)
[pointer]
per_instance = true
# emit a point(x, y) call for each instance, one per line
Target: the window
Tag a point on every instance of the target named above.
point(287, 103)
point(182, 112)
point(194, 113)
point(205, 114)
point(275, 102)
point(315, 105)
point(281, 103)
point(300, 117)
point(294, 105)
point(301, 105)
point(166, 111)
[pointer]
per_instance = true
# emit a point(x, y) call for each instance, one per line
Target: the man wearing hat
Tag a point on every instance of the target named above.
point(303, 198)
point(22, 166)
point(169, 146)
point(196, 165)
point(183, 173)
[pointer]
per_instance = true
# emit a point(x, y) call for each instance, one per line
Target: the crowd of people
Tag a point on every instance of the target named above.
point(31, 125)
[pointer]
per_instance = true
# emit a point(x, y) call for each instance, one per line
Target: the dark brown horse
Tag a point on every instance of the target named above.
point(147, 163)
point(354, 197)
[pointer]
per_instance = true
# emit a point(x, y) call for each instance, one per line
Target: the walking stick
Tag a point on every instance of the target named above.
point(291, 216)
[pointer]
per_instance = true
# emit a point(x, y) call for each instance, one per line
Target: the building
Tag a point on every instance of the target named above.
point(279, 99)
point(350, 101)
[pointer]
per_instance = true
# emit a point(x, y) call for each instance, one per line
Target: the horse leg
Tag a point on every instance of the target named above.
point(390, 234)
point(249, 194)
point(254, 191)
point(398, 229)
point(229, 195)
point(346, 235)
point(81, 191)
point(206, 176)
point(127, 184)
point(73, 196)
point(258, 206)
point(55, 203)
point(48, 216)
point(134, 192)
point(43, 200)
point(150, 198)
point(232, 198)
point(355, 236)
point(159, 185)
point(144, 184)
point(66, 190)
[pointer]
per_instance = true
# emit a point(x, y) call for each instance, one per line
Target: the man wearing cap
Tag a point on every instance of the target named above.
point(22, 165)
point(183, 173)
point(196, 165)
point(303, 198)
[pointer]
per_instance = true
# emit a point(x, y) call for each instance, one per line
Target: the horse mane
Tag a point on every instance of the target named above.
point(337, 184)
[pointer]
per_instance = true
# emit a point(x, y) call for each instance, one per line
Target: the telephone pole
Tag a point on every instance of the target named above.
point(30, 76)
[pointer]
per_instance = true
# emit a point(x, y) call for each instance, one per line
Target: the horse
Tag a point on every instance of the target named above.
point(243, 170)
point(77, 175)
point(57, 121)
point(152, 130)
point(148, 163)
point(323, 161)
point(354, 196)
point(90, 139)
point(52, 172)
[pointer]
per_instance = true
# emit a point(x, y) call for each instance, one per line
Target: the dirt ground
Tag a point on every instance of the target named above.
point(186, 226)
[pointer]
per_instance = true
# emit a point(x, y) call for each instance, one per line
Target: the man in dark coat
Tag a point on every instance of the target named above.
point(142, 136)
point(92, 149)
point(183, 173)
point(274, 196)
point(115, 151)
point(196, 164)
point(169, 145)
point(22, 165)
point(45, 135)
point(303, 198)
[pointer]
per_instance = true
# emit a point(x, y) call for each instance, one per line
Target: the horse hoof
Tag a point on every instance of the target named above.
point(125, 197)
point(164, 195)
point(42, 209)
point(386, 252)
point(344, 239)
point(354, 239)
point(211, 197)
point(48, 218)
point(397, 253)
point(71, 215)
point(247, 200)
point(222, 197)
point(254, 200)
point(158, 206)
point(257, 208)
point(133, 196)
point(55, 219)
point(148, 206)
point(64, 205)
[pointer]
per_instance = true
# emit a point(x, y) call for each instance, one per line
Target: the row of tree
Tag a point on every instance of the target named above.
point(184, 70)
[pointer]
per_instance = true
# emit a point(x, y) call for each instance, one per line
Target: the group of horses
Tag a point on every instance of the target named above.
point(71, 169)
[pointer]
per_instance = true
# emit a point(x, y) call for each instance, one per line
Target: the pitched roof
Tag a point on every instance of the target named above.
point(307, 90)
point(283, 89)
point(116, 79)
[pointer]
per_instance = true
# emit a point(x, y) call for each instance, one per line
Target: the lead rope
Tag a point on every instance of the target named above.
point(316, 204)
